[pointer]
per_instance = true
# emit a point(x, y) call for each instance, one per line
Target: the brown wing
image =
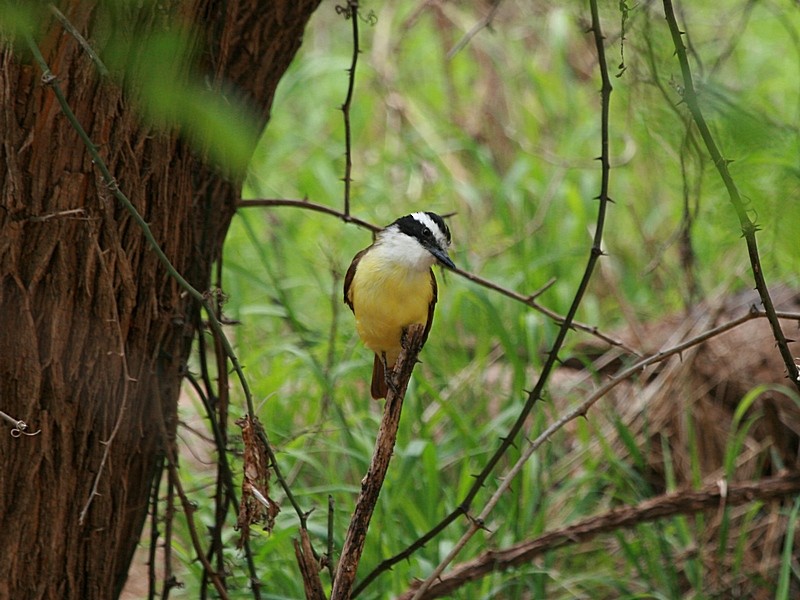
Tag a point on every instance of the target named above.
point(431, 306)
point(348, 278)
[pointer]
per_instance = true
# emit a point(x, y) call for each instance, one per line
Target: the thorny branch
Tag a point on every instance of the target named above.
point(749, 228)
point(189, 509)
point(350, 12)
point(154, 533)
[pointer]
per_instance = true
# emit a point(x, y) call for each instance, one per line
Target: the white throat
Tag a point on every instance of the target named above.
point(399, 248)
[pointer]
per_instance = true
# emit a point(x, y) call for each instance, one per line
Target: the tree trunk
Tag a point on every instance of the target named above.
point(94, 335)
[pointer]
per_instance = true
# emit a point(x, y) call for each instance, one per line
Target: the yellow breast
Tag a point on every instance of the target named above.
point(387, 297)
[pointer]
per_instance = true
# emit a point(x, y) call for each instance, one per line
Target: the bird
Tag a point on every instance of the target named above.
point(390, 286)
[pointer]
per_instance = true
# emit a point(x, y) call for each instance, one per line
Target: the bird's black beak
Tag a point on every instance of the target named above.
point(442, 257)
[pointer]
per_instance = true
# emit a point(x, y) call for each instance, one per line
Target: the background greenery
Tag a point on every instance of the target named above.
point(504, 135)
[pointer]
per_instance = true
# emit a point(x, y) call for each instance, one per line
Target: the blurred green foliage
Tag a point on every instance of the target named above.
point(503, 134)
point(159, 69)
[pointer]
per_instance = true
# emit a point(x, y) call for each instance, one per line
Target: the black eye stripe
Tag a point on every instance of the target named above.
point(440, 223)
point(414, 228)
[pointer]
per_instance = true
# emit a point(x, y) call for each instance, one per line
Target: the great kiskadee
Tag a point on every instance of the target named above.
point(390, 285)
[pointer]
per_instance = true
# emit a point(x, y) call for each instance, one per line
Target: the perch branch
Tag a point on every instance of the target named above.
point(373, 480)
point(685, 502)
point(749, 228)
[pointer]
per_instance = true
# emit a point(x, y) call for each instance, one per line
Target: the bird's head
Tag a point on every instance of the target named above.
point(420, 238)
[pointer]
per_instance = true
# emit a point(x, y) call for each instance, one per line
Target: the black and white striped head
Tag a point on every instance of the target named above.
point(420, 238)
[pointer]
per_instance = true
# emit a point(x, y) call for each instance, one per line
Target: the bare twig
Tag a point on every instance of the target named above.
point(188, 510)
point(685, 502)
point(223, 468)
point(749, 228)
point(308, 205)
point(170, 581)
point(373, 480)
point(484, 23)
point(350, 12)
point(331, 558)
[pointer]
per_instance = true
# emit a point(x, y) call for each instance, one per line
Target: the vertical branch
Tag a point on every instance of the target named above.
point(331, 563)
point(222, 493)
point(151, 552)
point(685, 246)
point(373, 481)
point(189, 509)
point(350, 12)
point(552, 356)
point(169, 517)
point(749, 228)
point(224, 469)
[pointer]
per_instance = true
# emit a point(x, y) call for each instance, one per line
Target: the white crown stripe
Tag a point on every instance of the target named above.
point(425, 219)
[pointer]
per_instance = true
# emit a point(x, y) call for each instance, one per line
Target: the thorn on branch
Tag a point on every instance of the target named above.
point(509, 441)
point(478, 522)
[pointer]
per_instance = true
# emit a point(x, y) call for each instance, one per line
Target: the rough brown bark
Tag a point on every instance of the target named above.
point(92, 330)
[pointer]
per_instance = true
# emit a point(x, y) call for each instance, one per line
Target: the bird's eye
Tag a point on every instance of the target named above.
point(426, 232)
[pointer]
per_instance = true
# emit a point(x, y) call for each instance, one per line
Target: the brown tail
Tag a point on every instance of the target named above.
point(379, 388)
